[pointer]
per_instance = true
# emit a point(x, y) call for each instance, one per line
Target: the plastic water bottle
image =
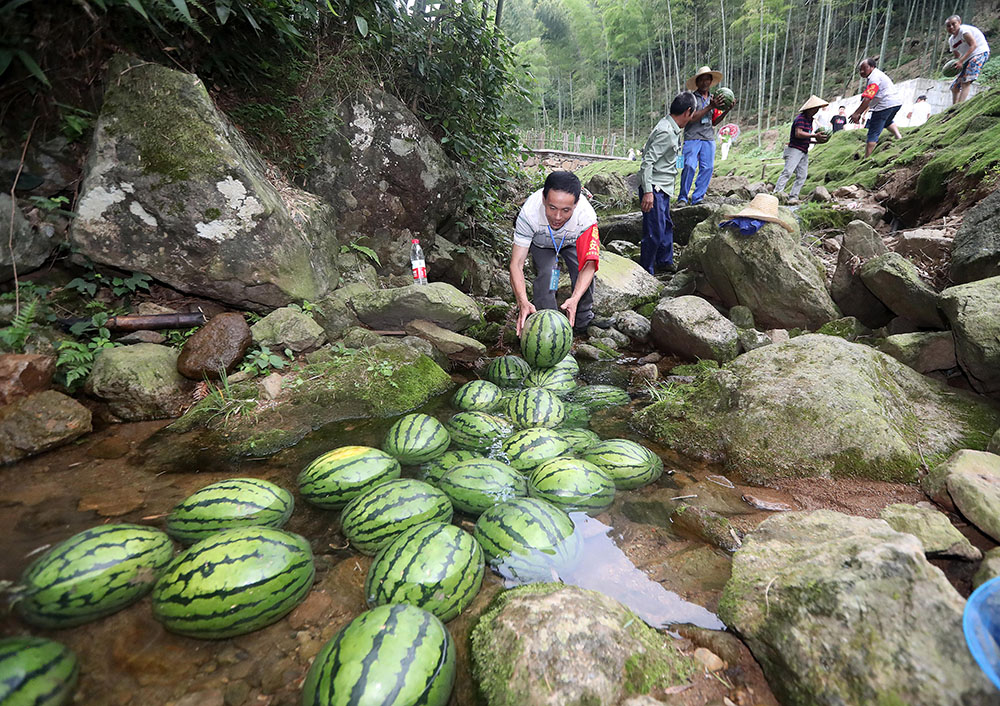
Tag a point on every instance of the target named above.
point(417, 262)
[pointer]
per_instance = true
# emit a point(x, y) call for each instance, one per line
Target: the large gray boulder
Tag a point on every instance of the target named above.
point(691, 328)
point(975, 490)
point(31, 246)
point(964, 462)
point(975, 253)
point(140, 382)
point(933, 529)
point(172, 189)
point(621, 284)
point(622, 226)
point(895, 281)
point(923, 351)
point(687, 218)
point(845, 611)
point(40, 422)
point(288, 328)
point(973, 310)
point(819, 406)
point(436, 302)
point(861, 244)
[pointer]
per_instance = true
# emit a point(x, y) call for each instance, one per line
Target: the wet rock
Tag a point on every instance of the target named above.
point(819, 406)
point(895, 281)
point(605, 341)
point(587, 352)
point(140, 382)
point(624, 226)
point(172, 189)
point(112, 502)
point(976, 494)
point(932, 528)
point(861, 244)
point(288, 328)
point(23, 374)
point(621, 284)
point(967, 461)
point(680, 284)
point(141, 337)
point(924, 352)
point(40, 422)
point(741, 316)
point(648, 372)
point(891, 623)
point(634, 325)
point(624, 248)
point(752, 339)
point(556, 644)
point(707, 526)
point(690, 327)
point(976, 251)
point(453, 345)
point(989, 569)
point(31, 246)
point(436, 302)
point(973, 310)
point(218, 345)
point(609, 336)
point(687, 218)
point(924, 243)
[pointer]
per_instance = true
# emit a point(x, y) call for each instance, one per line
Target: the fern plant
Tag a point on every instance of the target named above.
point(76, 359)
point(15, 336)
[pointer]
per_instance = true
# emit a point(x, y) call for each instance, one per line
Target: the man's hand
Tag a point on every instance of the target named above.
point(569, 306)
point(526, 310)
point(646, 205)
point(854, 118)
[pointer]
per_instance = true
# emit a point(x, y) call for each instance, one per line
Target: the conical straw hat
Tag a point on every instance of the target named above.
point(764, 207)
point(813, 102)
point(692, 82)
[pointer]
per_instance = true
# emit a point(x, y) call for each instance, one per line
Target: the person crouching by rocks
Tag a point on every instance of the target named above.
point(556, 220)
point(657, 176)
point(796, 153)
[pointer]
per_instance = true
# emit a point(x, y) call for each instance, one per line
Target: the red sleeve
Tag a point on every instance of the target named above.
point(716, 114)
point(870, 91)
point(588, 248)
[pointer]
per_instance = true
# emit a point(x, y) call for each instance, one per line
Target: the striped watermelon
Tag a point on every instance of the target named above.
point(527, 448)
point(579, 439)
point(377, 516)
point(237, 502)
point(572, 484)
point(528, 539)
point(595, 397)
point(477, 396)
point(628, 464)
point(568, 363)
point(432, 471)
point(535, 407)
point(92, 574)
point(234, 582)
point(477, 431)
point(393, 655)
point(577, 416)
point(557, 380)
point(507, 371)
point(546, 338)
point(474, 486)
point(416, 438)
point(36, 672)
point(436, 566)
point(334, 478)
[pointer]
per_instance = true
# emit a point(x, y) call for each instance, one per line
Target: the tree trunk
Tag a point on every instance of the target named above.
point(784, 56)
point(826, 41)
point(725, 64)
point(760, 76)
point(882, 56)
point(906, 35)
point(673, 46)
point(802, 53)
point(663, 67)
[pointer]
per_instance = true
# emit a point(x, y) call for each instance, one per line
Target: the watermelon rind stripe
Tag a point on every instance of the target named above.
point(375, 517)
point(333, 479)
point(36, 671)
point(416, 438)
point(237, 502)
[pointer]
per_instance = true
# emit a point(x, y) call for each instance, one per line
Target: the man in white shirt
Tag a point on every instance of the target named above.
point(968, 44)
point(556, 220)
point(919, 112)
point(880, 97)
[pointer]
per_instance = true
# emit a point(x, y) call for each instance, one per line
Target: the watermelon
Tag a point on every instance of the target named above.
point(36, 672)
point(234, 582)
point(951, 68)
point(557, 380)
point(375, 517)
point(477, 396)
point(334, 478)
point(92, 574)
point(595, 397)
point(416, 438)
point(573, 485)
point(436, 566)
point(527, 448)
point(535, 407)
point(546, 338)
point(474, 486)
point(507, 371)
point(393, 655)
point(568, 363)
point(528, 539)
point(237, 502)
point(579, 440)
point(728, 97)
point(577, 416)
point(628, 464)
point(432, 471)
point(477, 431)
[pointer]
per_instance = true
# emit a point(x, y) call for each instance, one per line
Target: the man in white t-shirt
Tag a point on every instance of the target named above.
point(881, 98)
point(556, 220)
point(919, 112)
point(968, 45)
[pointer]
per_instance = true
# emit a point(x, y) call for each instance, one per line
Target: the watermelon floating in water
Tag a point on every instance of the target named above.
point(557, 380)
point(474, 486)
point(628, 464)
point(546, 338)
point(507, 371)
point(36, 672)
point(579, 440)
point(237, 502)
point(577, 416)
point(595, 397)
point(527, 448)
point(478, 431)
point(375, 517)
point(338, 476)
point(416, 438)
point(432, 471)
point(435, 566)
point(572, 484)
point(477, 396)
point(535, 407)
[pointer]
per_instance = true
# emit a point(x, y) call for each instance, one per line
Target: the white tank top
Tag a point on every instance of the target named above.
point(957, 41)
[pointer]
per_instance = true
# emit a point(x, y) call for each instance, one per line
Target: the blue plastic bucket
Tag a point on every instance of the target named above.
point(981, 623)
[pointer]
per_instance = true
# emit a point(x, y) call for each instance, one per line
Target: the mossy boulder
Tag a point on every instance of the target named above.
point(288, 328)
point(565, 646)
point(172, 189)
point(973, 310)
point(691, 328)
point(895, 281)
point(975, 254)
point(933, 529)
point(845, 610)
point(140, 382)
point(923, 351)
point(42, 421)
point(861, 244)
point(620, 284)
point(437, 302)
point(819, 406)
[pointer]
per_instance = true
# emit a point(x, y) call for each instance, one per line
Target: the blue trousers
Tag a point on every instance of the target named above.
point(700, 153)
point(657, 234)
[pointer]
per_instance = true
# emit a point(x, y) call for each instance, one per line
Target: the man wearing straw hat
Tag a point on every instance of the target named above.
point(796, 153)
point(699, 135)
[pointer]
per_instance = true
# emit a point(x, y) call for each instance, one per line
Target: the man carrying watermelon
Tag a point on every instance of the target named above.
point(969, 46)
point(699, 135)
point(796, 154)
point(556, 220)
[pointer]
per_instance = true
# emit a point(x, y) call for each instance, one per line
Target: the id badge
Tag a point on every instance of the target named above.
point(554, 280)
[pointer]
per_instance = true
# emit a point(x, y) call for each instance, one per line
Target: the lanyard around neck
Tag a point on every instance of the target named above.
point(563, 240)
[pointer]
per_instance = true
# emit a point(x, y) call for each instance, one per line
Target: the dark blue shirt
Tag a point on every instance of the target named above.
point(803, 123)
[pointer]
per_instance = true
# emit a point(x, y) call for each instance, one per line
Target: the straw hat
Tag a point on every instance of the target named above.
point(692, 82)
point(813, 102)
point(764, 207)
